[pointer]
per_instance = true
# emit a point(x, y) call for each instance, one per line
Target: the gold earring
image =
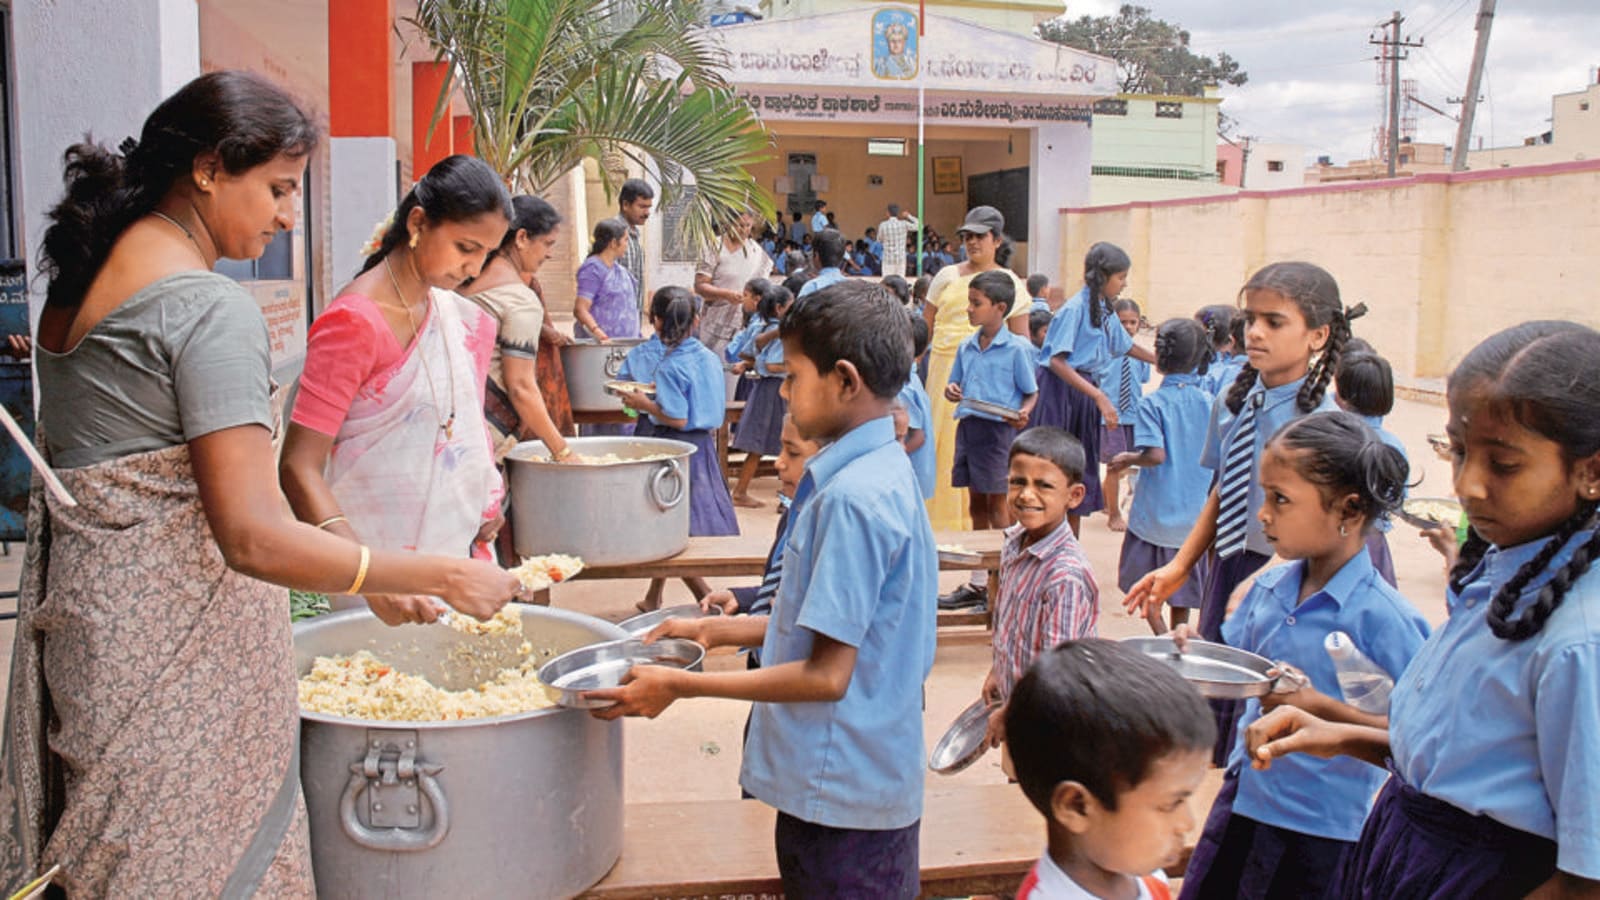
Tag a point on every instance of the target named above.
point(414, 236)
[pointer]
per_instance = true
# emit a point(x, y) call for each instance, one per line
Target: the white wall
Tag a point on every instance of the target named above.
point(1258, 175)
point(1060, 158)
point(71, 82)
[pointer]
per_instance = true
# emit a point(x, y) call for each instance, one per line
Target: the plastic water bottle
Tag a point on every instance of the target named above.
point(1364, 683)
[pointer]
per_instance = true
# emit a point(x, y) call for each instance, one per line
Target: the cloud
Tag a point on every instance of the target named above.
point(1313, 79)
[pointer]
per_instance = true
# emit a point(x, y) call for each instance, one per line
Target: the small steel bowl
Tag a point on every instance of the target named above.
point(992, 409)
point(1216, 670)
point(644, 623)
point(962, 742)
point(599, 666)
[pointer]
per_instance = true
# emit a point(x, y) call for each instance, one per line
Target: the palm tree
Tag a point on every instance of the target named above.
point(550, 82)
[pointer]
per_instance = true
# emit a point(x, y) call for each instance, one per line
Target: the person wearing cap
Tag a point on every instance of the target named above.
point(892, 233)
point(988, 249)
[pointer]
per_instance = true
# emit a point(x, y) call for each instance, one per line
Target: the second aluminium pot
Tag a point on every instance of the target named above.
point(589, 365)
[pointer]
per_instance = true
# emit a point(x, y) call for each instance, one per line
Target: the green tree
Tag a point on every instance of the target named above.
point(551, 82)
point(1153, 55)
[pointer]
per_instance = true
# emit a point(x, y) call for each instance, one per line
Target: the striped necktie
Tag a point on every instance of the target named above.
point(1125, 392)
point(769, 582)
point(1233, 490)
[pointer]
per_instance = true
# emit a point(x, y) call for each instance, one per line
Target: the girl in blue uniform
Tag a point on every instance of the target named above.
point(640, 365)
point(1169, 431)
point(1280, 833)
point(740, 351)
point(689, 405)
point(1365, 386)
point(1123, 380)
point(1295, 334)
point(1225, 326)
point(1494, 730)
point(1084, 335)
point(760, 430)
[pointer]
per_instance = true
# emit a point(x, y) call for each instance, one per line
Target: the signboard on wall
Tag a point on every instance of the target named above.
point(883, 107)
point(875, 46)
point(675, 243)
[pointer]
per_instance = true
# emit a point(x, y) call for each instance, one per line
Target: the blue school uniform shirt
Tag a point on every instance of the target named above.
point(826, 278)
point(642, 361)
point(1086, 347)
point(859, 567)
point(1222, 371)
point(743, 343)
point(1000, 373)
point(1277, 408)
point(1322, 797)
point(1171, 495)
point(1039, 305)
point(770, 355)
point(690, 386)
point(1110, 380)
point(919, 415)
point(1511, 729)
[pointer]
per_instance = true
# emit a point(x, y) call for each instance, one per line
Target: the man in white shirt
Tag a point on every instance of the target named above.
point(720, 279)
point(892, 233)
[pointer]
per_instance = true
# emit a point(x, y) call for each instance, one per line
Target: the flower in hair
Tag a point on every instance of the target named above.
point(376, 241)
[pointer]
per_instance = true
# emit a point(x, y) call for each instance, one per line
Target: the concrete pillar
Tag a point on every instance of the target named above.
point(68, 85)
point(427, 80)
point(361, 146)
point(1058, 178)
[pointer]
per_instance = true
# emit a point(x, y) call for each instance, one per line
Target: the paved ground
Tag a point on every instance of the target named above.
point(692, 751)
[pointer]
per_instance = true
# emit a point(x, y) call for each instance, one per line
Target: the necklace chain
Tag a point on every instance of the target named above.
point(448, 424)
point(180, 226)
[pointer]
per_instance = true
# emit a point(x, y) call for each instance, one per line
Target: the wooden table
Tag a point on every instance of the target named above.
point(975, 839)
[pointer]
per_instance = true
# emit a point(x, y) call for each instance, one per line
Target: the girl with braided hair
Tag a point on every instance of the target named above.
point(1295, 332)
point(1084, 337)
point(1505, 770)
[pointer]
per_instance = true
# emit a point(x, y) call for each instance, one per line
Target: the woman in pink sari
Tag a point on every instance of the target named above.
point(388, 440)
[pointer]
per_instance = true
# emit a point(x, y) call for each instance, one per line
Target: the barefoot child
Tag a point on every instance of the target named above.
point(1169, 431)
point(761, 426)
point(1280, 833)
point(836, 741)
point(1494, 729)
point(1123, 380)
point(1047, 591)
point(1108, 744)
point(992, 366)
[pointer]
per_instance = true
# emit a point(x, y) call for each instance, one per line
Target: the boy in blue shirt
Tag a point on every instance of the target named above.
point(919, 414)
point(836, 741)
point(1108, 744)
point(1038, 286)
point(1038, 327)
point(995, 367)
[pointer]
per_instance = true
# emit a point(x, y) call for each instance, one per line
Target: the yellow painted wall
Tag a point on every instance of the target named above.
point(1440, 262)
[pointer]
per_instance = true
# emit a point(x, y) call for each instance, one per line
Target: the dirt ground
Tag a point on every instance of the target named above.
point(692, 751)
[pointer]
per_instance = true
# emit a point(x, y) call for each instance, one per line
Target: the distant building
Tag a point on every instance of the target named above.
point(1415, 159)
point(1155, 147)
point(1574, 135)
point(1260, 165)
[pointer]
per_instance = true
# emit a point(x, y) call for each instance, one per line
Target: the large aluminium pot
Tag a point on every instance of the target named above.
point(527, 805)
point(615, 514)
point(589, 364)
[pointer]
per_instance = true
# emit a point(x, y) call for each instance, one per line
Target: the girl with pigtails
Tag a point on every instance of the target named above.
point(1084, 336)
point(1295, 332)
point(1493, 735)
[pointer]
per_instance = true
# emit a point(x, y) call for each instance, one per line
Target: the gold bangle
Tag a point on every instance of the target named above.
point(361, 573)
point(329, 521)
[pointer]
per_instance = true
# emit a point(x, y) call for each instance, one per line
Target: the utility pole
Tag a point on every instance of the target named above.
point(1469, 101)
point(1393, 52)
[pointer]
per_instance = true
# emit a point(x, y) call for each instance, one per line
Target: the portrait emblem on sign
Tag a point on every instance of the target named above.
point(894, 44)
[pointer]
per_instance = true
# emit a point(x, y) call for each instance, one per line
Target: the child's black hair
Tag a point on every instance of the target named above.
point(1102, 714)
point(829, 246)
point(1037, 282)
point(1358, 345)
point(898, 285)
point(919, 290)
point(858, 322)
point(1365, 384)
point(1125, 304)
point(1039, 318)
point(1101, 262)
point(1316, 294)
point(1182, 347)
point(999, 286)
point(771, 300)
point(1218, 321)
point(674, 309)
point(795, 282)
point(1341, 454)
point(1056, 446)
point(920, 336)
point(1541, 375)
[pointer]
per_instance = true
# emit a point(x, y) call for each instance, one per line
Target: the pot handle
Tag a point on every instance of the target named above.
point(402, 840)
point(614, 360)
point(663, 501)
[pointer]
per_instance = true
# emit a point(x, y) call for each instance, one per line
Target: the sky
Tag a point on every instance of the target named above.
point(1313, 79)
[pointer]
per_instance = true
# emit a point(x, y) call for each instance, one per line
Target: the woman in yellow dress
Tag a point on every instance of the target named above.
point(983, 236)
